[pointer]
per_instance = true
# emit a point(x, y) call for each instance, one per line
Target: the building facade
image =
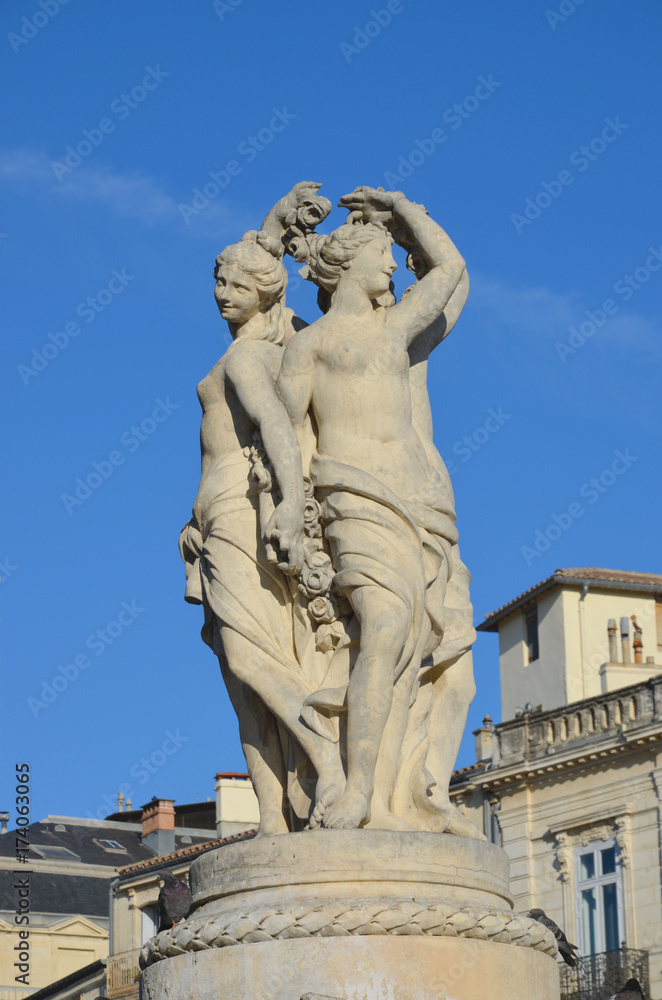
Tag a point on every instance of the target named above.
point(70, 868)
point(94, 888)
point(571, 787)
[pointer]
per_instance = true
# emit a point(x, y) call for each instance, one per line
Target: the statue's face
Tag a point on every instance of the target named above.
point(374, 267)
point(236, 294)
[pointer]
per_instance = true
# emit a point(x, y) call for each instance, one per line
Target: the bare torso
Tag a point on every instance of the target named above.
point(361, 400)
point(226, 427)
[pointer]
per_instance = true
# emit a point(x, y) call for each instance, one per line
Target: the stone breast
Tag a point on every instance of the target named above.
point(367, 358)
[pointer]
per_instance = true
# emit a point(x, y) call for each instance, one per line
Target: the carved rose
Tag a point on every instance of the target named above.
point(308, 488)
point(321, 610)
point(311, 518)
point(316, 582)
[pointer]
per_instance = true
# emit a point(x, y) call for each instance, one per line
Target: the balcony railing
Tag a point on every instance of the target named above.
point(122, 973)
point(16, 992)
point(598, 977)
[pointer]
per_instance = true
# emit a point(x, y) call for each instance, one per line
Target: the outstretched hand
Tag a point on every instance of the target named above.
point(371, 204)
point(283, 538)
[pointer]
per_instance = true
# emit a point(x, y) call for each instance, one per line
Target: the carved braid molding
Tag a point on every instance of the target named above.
point(342, 918)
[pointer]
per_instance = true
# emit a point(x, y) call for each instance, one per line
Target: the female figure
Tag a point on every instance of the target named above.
point(389, 520)
point(249, 605)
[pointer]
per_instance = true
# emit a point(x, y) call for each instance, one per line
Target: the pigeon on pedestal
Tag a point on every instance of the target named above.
point(566, 950)
point(631, 991)
point(174, 901)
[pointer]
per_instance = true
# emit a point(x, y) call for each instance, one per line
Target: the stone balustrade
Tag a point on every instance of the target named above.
point(535, 735)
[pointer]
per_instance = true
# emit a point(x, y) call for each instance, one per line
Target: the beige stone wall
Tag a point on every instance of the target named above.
point(236, 806)
point(56, 950)
point(542, 682)
point(128, 903)
point(599, 607)
point(573, 646)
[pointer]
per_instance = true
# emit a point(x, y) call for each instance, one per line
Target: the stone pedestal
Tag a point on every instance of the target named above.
point(353, 914)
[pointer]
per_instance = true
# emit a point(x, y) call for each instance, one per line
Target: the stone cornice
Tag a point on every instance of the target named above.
point(582, 756)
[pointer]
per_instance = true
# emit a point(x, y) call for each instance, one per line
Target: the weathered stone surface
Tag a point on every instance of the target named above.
point(346, 911)
point(358, 968)
point(323, 543)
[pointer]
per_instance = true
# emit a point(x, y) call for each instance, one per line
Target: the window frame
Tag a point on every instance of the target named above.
point(148, 911)
point(530, 614)
point(597, 882)
point(43, 852)
point(103, 843)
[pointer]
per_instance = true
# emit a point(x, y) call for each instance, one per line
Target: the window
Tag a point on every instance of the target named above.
point(531, 625)
point(599, 898)
point(53, 851)
point(149, 922)
point(110, 845)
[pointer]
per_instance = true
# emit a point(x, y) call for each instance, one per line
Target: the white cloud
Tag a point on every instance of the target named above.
point(131, 194)
point(539, 311)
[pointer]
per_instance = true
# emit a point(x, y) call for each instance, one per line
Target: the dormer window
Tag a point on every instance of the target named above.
point(111, 846)
point(54, 851)
point(531, 628)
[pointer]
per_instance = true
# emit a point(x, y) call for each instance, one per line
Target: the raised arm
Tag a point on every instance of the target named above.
point(425, 343)
point(413, 229)
point(253, 383)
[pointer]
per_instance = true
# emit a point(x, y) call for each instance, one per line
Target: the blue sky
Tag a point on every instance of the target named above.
point(532, 138)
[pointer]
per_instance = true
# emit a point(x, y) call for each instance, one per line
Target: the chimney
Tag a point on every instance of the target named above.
point(637, 642)
point(625, 640)
point(484, 738)
point(158, 822)
point(613, 641)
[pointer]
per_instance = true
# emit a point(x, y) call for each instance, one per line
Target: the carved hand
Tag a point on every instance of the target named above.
point(376, 205)
point(283, 538)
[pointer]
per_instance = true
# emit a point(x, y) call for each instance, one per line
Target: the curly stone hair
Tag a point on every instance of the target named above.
point(259, 255)
point(333, 254)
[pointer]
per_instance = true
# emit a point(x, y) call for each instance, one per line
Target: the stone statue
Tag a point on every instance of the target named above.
point(323, 543)
point(323, 548)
